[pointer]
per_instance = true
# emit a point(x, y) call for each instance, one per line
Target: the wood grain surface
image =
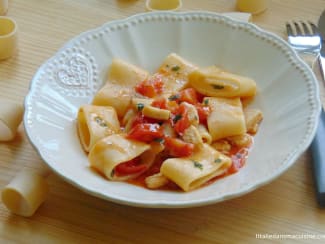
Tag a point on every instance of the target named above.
point(285, 206)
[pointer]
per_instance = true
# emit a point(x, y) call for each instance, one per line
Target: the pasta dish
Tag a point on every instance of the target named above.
point(181, 128)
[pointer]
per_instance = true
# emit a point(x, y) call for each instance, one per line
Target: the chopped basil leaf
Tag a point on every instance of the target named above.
point(140, 106)
point(197, 165)
point(175, 68)
point(173, 97)
point(160, 140)
point(218, 160)
point(177, 118)
point(112, 173)
point(206, 102)
point(100, 121)
point(217, 86)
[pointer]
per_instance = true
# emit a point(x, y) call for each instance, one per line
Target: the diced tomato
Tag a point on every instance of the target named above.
point(178, 148)
point(203, 112)
point(188, 95)
point(141, 119)
point(238, 160)
point(150, 87)
point(180, 119)
point(159, 103)
point(146, 132)
point(200, 97)
point(182, 124)
point(130, 167)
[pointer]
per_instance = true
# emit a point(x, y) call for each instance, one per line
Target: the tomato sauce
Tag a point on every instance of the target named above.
point(238, 156)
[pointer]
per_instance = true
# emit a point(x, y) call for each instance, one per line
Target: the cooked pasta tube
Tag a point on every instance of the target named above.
point(191, 172)
point(192, 135)
point(126, 74)
point(175, 70)
point(253, 118)
point(115, 95)
point(212, 81)
point(222, 146)
point(128, 119)
point(155, 113)
point(226, 117)
point(25, 193)
point(204, 133)
point(96, 122)
point(155, 181)
point(11, 115)
point(116, 149)
point(241, 140)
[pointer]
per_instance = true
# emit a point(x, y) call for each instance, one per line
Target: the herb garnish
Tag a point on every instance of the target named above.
point(218, 160)
point(112, 173)
point(217, 86)
point(175, 68)
point(197, 164)
point(100, 121)
point(206, 102)
point(173, 97)
point(177, 118)
point(140, 106)
point(160, 140)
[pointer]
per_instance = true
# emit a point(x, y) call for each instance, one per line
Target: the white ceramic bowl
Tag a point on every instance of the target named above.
point(287, 95)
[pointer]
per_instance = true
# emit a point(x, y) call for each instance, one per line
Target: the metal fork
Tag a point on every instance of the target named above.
point(305, 39)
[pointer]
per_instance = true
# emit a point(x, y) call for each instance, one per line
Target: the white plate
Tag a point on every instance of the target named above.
point(288, 97)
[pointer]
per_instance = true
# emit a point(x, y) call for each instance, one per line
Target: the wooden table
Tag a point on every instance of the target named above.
point(285, 206)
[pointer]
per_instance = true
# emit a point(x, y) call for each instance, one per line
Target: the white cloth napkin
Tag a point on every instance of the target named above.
point(247, 17)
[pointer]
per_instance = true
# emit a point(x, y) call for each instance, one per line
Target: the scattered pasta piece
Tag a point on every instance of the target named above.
point(25, 193)
point(11, 115)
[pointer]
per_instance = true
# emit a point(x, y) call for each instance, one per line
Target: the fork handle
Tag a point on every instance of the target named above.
point(318, 154)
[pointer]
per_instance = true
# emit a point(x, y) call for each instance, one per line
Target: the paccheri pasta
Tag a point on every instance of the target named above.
point(180, 128)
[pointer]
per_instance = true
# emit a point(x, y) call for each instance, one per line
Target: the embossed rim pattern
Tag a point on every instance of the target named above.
point(78, 46)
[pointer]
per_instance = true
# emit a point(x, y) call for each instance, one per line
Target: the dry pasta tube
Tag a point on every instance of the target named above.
point(11, 115)
point(25, 193)
point(158, 5)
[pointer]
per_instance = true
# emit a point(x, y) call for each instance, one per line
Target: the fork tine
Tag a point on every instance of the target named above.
point(298, 29)
point(306, 29)
point(289, 29)
point(313, 27)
